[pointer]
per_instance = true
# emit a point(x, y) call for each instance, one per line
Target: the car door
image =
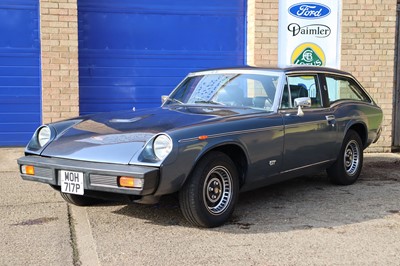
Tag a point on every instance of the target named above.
point(309, 136)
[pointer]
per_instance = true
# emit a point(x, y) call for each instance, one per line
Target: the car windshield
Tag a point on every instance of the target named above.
point(239, 90)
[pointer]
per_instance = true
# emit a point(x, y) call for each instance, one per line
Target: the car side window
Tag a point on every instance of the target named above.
point(301, 86)
point(342, 88)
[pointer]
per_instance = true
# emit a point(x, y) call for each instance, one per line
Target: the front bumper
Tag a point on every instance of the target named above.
point(97, 176)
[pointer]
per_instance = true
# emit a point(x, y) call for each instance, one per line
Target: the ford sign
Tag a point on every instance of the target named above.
point(309, 10)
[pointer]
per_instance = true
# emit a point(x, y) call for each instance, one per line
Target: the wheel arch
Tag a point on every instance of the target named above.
point(239, 158)
point(361, 129)
point(235, 152)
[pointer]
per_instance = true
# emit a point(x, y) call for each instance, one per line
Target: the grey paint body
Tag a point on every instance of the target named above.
point(274, 145)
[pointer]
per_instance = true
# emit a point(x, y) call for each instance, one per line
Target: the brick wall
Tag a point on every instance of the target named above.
point(59, 59)
point(265, 33)
point(368, 47)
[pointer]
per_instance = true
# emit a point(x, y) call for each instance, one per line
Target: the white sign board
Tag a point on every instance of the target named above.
point(309, 33)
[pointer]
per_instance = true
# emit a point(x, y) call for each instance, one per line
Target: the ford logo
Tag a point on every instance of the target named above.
point(309, 10)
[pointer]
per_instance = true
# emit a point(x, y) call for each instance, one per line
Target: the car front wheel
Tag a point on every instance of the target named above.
point(347, 168)
point(208, 197)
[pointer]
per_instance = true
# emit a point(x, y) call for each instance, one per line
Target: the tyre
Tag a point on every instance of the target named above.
point(209, 195)
point(79, 200)
point(347, 168)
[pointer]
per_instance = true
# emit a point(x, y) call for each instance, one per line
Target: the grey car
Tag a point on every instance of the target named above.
point(219, 132)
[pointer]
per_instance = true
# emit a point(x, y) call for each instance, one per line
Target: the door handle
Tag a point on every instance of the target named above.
point(331, 120)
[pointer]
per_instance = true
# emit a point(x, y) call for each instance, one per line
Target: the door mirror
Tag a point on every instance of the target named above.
point(300, 103)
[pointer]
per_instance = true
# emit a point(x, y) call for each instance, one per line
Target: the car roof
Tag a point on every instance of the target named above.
point(287, 70)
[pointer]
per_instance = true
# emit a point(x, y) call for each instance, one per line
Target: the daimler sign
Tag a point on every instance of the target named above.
point(317, 30)
point(309, 10)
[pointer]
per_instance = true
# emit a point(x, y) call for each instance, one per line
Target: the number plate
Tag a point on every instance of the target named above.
point(71, 182)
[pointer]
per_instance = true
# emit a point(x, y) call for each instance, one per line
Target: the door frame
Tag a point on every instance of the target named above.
point(396, 93)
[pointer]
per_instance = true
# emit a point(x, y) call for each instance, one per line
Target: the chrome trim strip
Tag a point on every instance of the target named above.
point(346, 101)
point(101, 185)
point(302, 167)
point(266, 72)
point(316, 72)
point(117, 189)
point(234, 133)
point(306, 123)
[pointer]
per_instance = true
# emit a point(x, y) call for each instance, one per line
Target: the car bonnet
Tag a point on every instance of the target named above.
point(116, 137)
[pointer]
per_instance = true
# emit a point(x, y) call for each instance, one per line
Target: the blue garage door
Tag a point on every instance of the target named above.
point(132, 52)
point(20, 96)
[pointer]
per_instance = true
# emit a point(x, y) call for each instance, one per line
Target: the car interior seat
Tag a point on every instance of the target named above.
point(296, 91)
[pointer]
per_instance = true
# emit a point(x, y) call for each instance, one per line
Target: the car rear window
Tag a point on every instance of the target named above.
point(341, 88)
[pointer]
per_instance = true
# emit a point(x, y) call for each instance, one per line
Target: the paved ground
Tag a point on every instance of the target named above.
point(305, 221)
point(35, 222)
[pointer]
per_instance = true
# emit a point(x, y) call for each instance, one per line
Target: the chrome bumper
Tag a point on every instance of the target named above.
point(97, 176)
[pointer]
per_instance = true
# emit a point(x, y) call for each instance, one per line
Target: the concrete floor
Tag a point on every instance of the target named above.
point(305, 221)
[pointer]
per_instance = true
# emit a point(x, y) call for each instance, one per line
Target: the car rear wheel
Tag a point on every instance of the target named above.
point(79, 200)
point(208, 197)
point(347, 168)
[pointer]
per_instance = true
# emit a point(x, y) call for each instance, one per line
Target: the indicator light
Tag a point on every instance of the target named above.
point(28, 169)
point(130, 182)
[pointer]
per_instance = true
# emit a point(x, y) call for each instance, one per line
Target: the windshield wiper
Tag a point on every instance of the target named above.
point(209, 102)
point(174, 100)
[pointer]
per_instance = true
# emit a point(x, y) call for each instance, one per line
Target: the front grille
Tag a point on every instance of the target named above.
point(44, 173)
point(103, 181)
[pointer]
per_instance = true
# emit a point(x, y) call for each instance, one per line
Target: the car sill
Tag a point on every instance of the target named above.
point(306, 166)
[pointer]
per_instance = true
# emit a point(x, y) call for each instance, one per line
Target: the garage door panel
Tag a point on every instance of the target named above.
point(9, 139)
point(18, 81)
point(27, 91)
point(131, 72)
point(18, 118)
point(130, 81)
point(146, 59)
point(18, 71)
point(132, 52)
point(20, 104)
point(13, 59)
point(161, 6)
point(19, 26)
point(10, 107)
point(123, 92)
point(184, 27)
point(26, 128)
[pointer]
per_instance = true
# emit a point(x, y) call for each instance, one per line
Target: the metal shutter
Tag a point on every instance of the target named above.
point(132, 52)
point(20, 93)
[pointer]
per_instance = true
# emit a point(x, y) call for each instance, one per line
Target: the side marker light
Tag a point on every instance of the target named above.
point(203, 137)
